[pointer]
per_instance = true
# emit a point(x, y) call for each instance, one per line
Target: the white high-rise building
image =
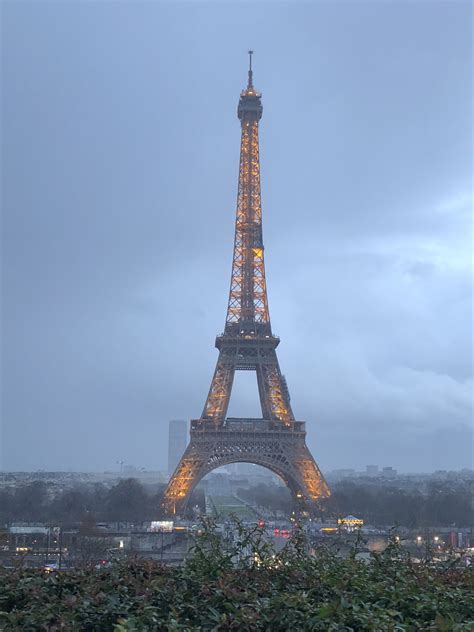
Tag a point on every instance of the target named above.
point(177, 442)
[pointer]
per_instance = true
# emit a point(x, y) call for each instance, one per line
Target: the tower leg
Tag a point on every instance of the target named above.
point(217, 401)
point(186, 475)
point(309, 475)
point(274, 396)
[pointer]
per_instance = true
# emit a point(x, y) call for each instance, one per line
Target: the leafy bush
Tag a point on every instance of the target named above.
point(244, 585)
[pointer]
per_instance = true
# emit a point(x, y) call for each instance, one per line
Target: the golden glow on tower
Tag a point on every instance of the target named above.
point(217, 401)
point(274, 440)
point(248, 291)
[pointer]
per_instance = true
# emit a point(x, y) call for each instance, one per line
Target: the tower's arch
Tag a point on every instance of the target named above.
point(289, 482)
point(278, 449)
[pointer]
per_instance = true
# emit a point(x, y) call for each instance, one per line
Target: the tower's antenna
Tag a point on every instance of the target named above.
point(250, 70)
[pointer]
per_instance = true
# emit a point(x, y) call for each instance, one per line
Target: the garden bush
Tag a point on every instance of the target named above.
point(244, 585)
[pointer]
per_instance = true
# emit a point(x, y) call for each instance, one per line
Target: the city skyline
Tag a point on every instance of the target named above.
point(117, 253)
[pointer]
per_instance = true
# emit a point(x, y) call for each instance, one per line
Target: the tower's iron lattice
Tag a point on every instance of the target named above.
point(276, 441)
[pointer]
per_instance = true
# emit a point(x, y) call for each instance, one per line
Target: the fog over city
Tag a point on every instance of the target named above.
point(120, 165)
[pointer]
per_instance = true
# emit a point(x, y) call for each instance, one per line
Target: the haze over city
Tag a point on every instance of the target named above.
point(120, 163)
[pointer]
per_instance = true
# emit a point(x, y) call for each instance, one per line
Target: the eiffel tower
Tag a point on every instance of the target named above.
point(277, 440)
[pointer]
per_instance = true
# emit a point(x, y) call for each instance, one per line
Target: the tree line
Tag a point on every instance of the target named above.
point(437, 506)
point(130, 501)
point(127, 501)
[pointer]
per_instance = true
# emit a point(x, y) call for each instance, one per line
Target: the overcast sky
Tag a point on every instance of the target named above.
point(120, 164)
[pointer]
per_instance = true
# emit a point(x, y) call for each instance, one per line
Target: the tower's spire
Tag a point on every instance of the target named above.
point(250, 84)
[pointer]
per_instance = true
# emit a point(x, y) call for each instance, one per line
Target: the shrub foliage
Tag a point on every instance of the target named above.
point(245, 585)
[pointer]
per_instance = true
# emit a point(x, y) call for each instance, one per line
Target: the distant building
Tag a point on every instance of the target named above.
point(389, 472)
point(177, 442)
point(248, 469)
point(129, 469)
point(343, 473)
point(372, 470)
point(350, 523)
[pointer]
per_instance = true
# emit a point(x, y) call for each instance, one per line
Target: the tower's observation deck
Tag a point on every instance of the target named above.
point(275, 440)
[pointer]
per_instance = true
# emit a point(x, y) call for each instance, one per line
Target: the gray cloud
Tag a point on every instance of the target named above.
point(120, 170)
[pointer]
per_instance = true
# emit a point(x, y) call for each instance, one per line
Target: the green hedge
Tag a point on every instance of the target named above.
point(244, 586)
